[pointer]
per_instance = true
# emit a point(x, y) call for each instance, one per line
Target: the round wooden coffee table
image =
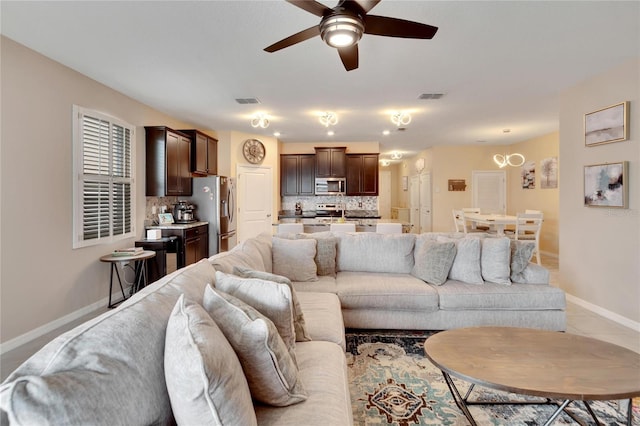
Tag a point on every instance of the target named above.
point(548, 364)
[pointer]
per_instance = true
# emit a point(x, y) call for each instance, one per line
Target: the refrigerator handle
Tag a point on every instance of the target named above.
point(230, 205)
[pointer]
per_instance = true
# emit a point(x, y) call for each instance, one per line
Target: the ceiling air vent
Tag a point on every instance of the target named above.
point(244, 101)
point(431, 96)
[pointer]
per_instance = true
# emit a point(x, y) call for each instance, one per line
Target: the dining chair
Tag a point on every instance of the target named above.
point(475, 226)
point(342, 227)
point(528, 227)
point(459, 221)
point(389, 228)
point(287, 228)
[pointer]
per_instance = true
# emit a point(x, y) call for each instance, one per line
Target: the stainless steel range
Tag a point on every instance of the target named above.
point(328, 210)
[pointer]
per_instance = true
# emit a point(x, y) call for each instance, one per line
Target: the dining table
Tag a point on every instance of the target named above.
point(497, 221)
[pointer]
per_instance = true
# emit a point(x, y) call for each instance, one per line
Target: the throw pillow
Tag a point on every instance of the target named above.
point(495, 260)
point(433, 261)
point(204, 377)
point(271, 299)
point(295, 259)
point(271, 373)
point(302, 335)
point(325, 253)
point(466, 265)
point(521, 253)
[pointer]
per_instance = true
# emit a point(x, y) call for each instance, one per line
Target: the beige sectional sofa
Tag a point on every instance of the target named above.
point(126, 366)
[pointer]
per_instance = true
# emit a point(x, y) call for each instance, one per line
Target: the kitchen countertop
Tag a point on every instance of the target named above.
point(323, 221)
point(177, 225)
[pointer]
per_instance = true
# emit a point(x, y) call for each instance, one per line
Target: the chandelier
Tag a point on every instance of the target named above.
point(513, 160)
point(260, 120)
point(400, 118)
point(328, 119)
point(395, 155)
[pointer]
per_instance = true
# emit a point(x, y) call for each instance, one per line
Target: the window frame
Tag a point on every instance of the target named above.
point(79, 179)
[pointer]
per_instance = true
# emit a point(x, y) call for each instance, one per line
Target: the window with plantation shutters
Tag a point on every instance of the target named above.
point(104, 178)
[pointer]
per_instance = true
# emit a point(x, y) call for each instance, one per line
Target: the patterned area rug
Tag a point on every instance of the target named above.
point(392, 382)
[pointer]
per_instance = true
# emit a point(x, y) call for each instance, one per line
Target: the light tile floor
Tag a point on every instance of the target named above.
point(579, 321)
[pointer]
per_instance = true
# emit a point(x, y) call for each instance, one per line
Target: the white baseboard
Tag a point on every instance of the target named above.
point(49, 327)
point(635, 326)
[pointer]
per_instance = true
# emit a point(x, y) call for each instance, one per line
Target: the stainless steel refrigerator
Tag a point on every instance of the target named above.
point(214, 200)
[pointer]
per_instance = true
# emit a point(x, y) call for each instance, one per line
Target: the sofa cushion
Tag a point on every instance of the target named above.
point(433, 261)
point(466, 265)
point(96, 372)
point(248, 254)
point(270, 371)
point(299, 322)
point(204, 378)
point(325, 284)
point(323, 369)
point(271, 299)
point(495, 260)
point(372, 252)
point(295, 259)
point(326, 249)
point(360, 290)
point(456, 295)
point(324, 315)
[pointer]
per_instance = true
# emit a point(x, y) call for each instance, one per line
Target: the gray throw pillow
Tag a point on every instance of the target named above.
point(271, 373)
point(295, 259)
point(204, 377)
point(433, 261)
point(271, 299)
point(466, 265)
point(521, 253)
point(302, 335)
point(325, 253)
point(495, 260)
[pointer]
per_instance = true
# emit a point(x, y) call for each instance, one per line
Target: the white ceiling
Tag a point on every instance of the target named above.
point(500, 64)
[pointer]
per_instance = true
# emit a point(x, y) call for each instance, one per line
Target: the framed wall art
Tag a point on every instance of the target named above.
point(610, 124)
point(549, 173)
point(606, 185)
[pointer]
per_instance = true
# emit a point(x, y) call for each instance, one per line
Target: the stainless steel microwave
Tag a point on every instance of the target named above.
point(330, 186)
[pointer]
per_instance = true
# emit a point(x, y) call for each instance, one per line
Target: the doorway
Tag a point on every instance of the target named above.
point(425, 202)
point(255, 205)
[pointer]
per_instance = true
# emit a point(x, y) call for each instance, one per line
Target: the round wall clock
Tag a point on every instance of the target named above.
point(253, 150)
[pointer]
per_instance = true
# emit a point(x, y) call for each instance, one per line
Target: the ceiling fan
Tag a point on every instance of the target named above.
point(343, 26)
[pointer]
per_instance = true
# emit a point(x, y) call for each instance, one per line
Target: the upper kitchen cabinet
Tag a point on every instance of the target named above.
point(362, 174)
point(204, 153)
point(331, 162)
point(168, 162)
point(297, 174)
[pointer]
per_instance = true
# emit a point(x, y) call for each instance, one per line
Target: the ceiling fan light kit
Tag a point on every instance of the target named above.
point(342, 27)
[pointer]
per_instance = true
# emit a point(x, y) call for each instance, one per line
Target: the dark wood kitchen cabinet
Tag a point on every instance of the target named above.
point(204, 153)
point(331, 162)
point(194, 243)
point(362, 174)
point(297, 174)
point(168, 156)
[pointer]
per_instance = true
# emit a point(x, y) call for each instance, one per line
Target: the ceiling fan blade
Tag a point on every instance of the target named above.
point(294, 39)
point(394, 27)
point(365, 5)
point(311, 6)
point(349, 56)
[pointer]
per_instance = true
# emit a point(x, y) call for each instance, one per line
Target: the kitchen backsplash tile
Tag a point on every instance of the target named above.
point(157, 202)
point(309, 203)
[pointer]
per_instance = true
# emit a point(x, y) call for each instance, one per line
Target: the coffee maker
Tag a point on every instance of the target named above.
point(183, 212)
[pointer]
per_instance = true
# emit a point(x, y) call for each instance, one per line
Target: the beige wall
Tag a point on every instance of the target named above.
point(600, 247)
point(42, 278)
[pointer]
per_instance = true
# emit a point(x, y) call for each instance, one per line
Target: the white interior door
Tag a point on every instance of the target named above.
point(489, 191)
point(425, 202)
point(384, 194)
point(255, 192)
point(414, 203)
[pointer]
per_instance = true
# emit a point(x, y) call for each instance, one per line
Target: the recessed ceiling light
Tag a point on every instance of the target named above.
point(385, 132)
point(276, 134)
point(330, 133)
